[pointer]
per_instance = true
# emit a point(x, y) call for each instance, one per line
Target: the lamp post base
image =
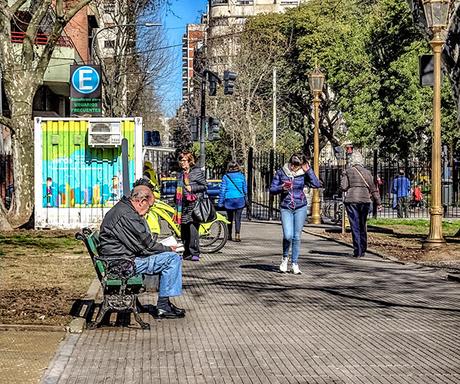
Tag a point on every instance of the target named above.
point(315, 208)
point(315, 219)
point(433, 243)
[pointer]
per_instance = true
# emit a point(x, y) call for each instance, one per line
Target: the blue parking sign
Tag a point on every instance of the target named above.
point(85, 90)
point(85, 79)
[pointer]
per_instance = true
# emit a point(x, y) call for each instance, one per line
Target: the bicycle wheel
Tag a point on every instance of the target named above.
point(214, 238)
point(338, 213)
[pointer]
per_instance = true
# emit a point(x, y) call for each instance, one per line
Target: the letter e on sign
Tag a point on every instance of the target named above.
point(85, 79)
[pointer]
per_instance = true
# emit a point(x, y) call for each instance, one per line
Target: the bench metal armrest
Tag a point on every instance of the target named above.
point(122, 268)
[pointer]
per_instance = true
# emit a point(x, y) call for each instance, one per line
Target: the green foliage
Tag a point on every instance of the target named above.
point(369, 51)
point(217, 155)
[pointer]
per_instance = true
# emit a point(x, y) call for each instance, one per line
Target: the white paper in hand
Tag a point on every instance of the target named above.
point(171, 241)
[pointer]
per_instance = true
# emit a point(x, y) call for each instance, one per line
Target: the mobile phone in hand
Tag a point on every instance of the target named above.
point(287, 184)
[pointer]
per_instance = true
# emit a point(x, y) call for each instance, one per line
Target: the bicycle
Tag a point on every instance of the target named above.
point(333, 211)
point(213, 235)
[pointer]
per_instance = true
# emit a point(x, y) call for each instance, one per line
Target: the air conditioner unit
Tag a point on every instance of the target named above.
point(104, 134)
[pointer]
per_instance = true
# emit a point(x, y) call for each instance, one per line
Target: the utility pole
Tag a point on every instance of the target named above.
point(274, 107)
point(203, 120)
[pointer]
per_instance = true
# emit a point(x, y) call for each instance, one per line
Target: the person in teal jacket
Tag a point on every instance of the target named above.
point(232, 197)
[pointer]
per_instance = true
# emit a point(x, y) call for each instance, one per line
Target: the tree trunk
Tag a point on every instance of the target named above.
point(20, 93)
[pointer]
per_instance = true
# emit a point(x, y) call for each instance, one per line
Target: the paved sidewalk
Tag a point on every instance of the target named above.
point(344, 320)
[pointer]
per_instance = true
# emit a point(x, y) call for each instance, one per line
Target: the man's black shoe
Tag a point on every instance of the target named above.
point(164, 314)
point(177, 310)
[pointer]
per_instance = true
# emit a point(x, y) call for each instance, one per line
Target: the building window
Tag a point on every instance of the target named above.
point(245, 2)
point(109, 44)
point(217, 2)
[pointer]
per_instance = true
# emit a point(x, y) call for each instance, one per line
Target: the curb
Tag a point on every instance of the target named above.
point(61, 358)
point(453, 277)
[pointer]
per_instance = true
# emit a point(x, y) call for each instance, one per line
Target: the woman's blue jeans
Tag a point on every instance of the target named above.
point(169, 266)
point(292, 221)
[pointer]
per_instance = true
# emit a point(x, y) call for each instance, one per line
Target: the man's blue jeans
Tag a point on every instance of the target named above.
point(169, 266)
point(292, 221)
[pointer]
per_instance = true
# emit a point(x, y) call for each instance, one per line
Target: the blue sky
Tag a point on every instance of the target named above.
point(180, 13)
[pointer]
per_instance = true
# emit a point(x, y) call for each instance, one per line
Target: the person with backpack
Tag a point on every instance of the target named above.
point(232, 196)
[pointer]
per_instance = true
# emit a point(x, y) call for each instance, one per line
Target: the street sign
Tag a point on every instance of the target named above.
point(85, 79)
point(85, 90)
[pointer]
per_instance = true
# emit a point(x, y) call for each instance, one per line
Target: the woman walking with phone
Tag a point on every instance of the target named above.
point(290, 181)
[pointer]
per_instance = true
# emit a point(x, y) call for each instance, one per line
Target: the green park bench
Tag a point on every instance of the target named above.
point(121, 285)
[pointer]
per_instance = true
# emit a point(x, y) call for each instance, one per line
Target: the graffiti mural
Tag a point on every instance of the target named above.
point(75, 175)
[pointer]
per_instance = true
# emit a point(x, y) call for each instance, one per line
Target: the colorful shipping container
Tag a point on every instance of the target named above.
point(75, 183)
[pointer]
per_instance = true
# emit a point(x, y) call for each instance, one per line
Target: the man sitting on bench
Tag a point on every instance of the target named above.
point(125, 233)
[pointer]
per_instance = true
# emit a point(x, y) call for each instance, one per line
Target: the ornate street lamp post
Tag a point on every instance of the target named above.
point(316, 80)
point(436, 13)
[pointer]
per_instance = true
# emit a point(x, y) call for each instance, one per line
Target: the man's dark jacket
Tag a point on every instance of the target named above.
point(125, 233)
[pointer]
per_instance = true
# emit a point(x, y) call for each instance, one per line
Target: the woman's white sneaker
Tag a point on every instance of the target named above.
point(295, 269)
point(284, 265)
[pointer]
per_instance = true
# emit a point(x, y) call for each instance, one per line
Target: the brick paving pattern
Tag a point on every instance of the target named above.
point(342, 321)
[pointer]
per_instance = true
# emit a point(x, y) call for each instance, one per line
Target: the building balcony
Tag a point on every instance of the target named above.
point(40, 39)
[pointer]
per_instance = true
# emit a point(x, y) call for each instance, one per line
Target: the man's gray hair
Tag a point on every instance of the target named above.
point(356, 159)
point(140, 192)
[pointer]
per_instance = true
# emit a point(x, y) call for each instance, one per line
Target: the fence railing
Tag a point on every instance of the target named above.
point(41, 39)
point(262, 166)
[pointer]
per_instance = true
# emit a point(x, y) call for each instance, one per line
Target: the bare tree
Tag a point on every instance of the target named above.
point(246, 115)
point(133, 57)
point(23, 71)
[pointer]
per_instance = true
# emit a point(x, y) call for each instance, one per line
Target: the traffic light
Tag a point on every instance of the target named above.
point(229, 82)
point(214, 129)
point(213, 80)
point(426, 70)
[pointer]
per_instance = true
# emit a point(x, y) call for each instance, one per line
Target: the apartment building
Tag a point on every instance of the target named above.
point(227, 18)
point(193, 40)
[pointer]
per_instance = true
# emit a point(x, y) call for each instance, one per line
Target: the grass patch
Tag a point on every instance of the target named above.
point(24, 240)
point(415, 226)
point(42, 273)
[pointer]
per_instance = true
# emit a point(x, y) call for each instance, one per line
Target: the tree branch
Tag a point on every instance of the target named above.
point(58, 27)
point(31, 32)
point(59, 9)
point(16, 6)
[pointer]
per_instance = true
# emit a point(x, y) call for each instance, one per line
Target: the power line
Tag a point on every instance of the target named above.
point(142, 52)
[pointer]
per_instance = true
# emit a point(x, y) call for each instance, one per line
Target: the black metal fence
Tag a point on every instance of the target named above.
point(262, 166)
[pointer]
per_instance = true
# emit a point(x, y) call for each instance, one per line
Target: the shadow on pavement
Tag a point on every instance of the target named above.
point(261, 267)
